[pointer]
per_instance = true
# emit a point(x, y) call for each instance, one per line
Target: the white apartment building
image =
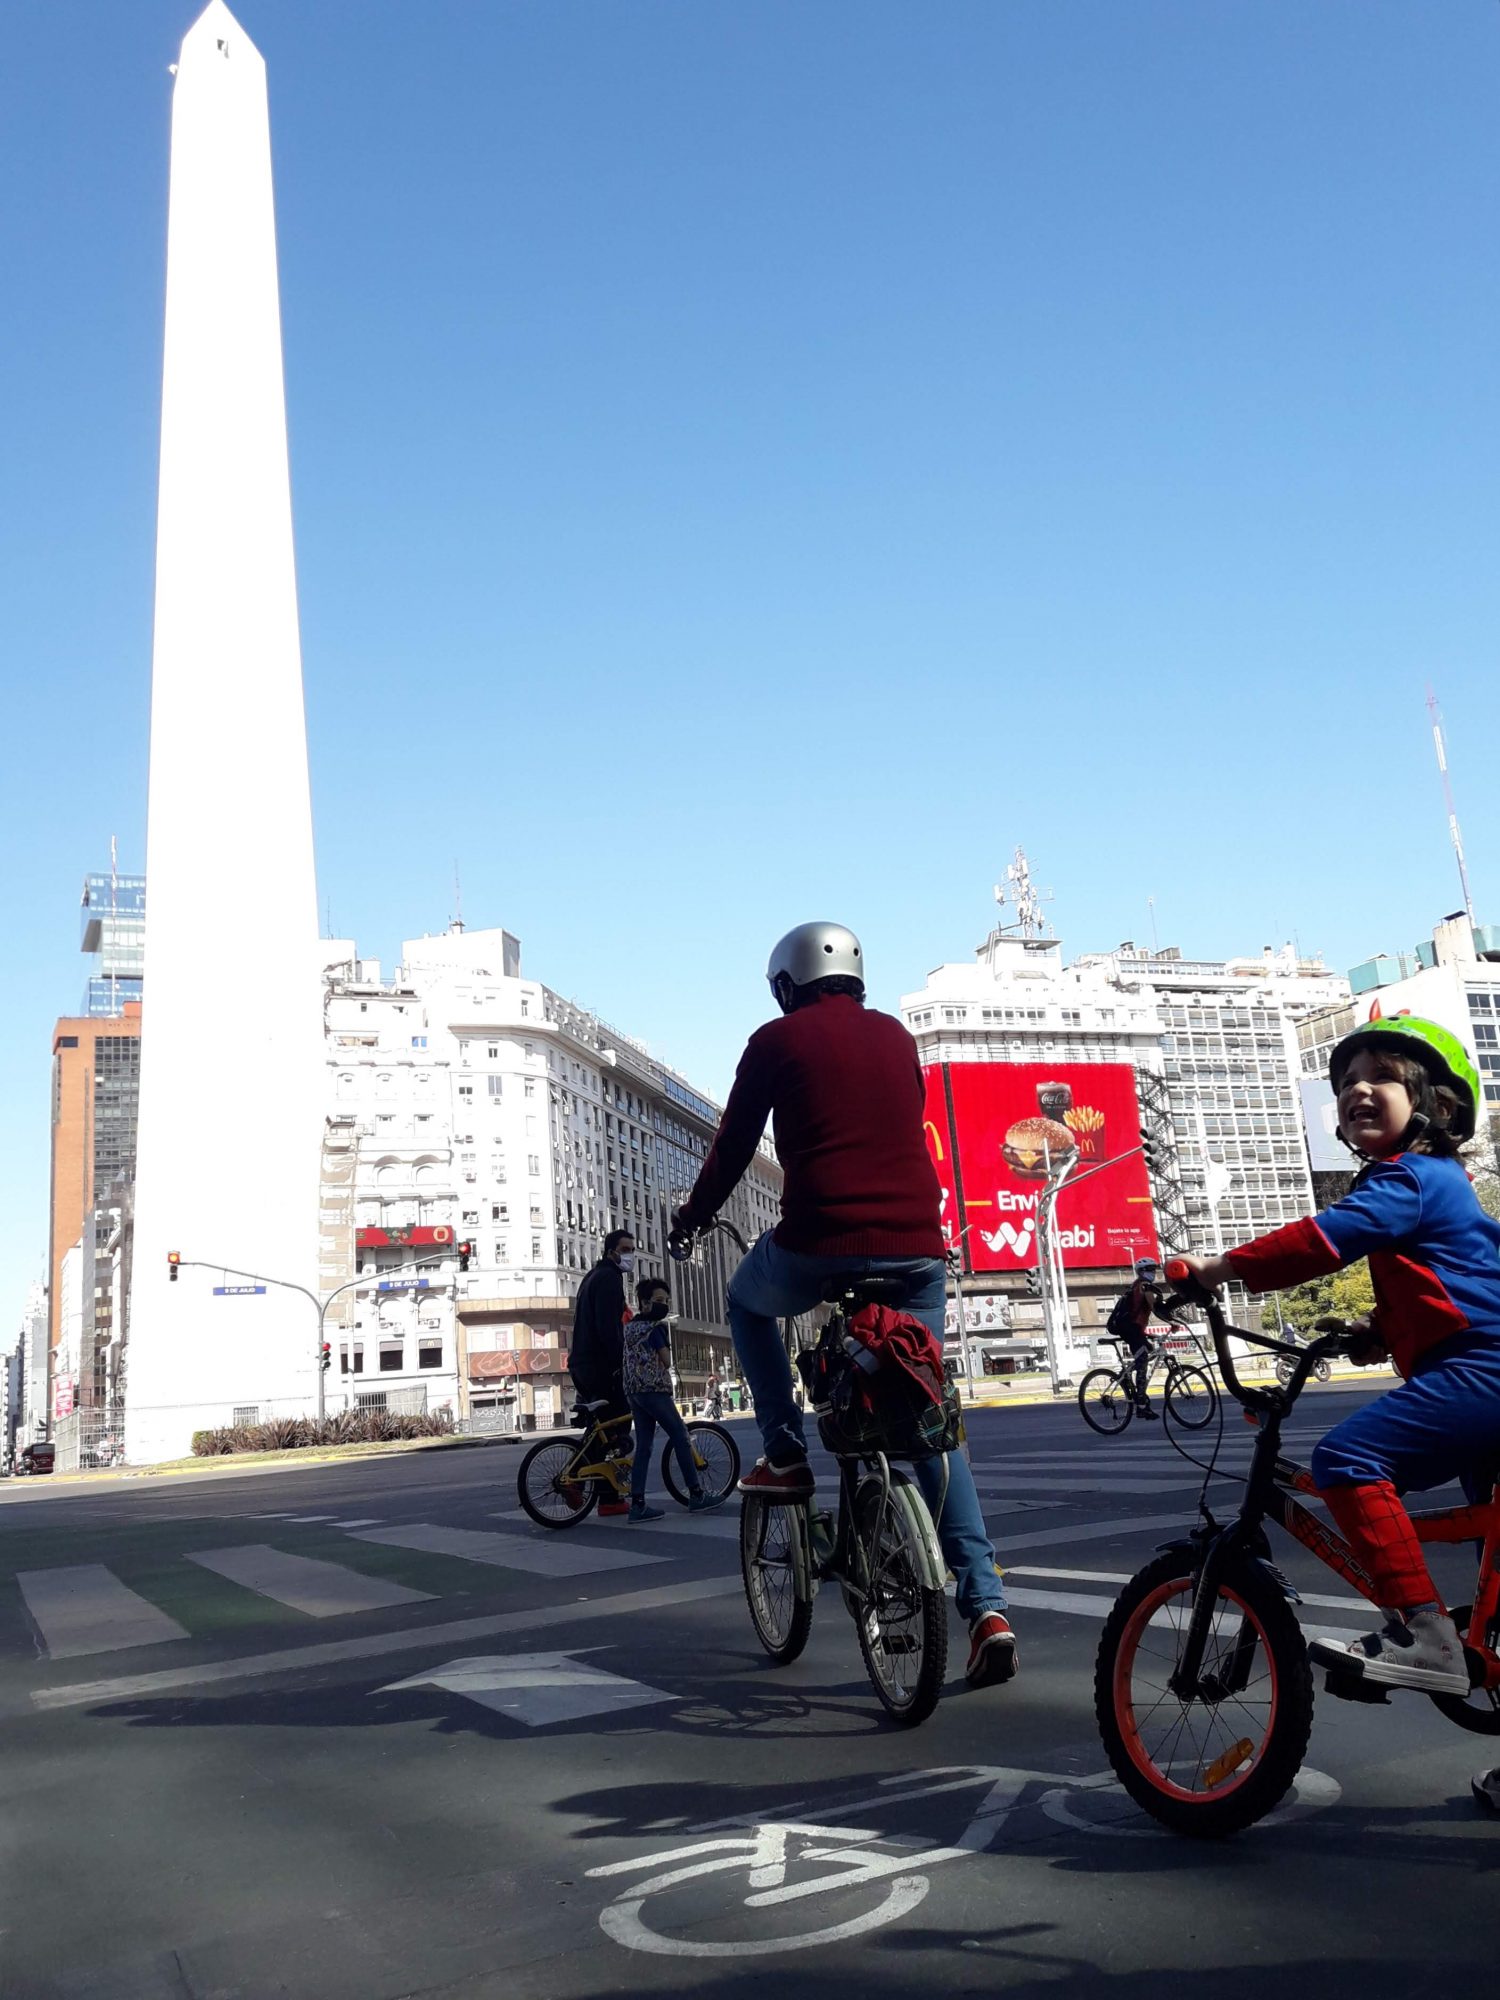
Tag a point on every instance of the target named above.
point(485, 1109)
point(1229, 1061)
point(1214, 1047)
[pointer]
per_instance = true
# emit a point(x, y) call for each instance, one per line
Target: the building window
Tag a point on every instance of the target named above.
point(390, 1359)
point(244, 1413)
point(359, 1361)
point(419, 1041)
point(530, 1087)
point(492, 1050)
point(533, 1166)
point(430, 1355)
point(497, 1084)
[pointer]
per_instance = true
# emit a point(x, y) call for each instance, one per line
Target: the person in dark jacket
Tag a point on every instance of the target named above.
point(842, 1085)
point(1130, 1320)
point(598, 1350)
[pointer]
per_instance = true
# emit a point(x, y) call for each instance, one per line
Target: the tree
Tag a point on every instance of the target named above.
point(1344, 1294)
point(1487, 1188)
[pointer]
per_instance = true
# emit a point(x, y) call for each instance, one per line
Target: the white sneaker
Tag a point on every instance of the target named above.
point(1423, 1652)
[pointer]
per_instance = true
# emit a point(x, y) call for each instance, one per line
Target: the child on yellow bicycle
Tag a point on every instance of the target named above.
point(1408, 1098)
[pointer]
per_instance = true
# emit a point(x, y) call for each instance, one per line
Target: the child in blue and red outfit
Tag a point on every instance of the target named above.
point(1408, 1097)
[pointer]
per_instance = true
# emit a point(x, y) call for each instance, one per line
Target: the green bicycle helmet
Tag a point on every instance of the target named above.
point(1440, 1053)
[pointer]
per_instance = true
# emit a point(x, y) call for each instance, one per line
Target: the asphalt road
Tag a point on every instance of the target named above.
point(353, 1732)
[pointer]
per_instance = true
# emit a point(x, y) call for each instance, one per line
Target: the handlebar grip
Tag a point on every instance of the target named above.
point(1177, 1270)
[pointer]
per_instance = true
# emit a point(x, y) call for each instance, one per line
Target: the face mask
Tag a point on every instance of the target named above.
point(627, 1260)
point(658, 1311)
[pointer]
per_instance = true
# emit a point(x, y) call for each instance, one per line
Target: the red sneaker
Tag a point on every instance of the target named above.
point(779, 1482)
point(992, 1651)
point(608, 1507)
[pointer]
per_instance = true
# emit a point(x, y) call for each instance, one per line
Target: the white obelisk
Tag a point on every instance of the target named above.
point(231, 1058)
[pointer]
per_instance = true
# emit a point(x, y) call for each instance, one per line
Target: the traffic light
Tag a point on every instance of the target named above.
point(1034, 1283)
point(1154, 1153)
point(465, 1252)
point(174, 1258)
point(325, 1357)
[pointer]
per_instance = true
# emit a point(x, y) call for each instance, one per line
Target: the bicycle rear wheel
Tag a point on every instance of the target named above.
point(1191, 1398)
point(903, 1621)
point(716, 1456)
point(1106, 1400)
point(550, 1497)
point(776, 1566)
point(1213, 1764)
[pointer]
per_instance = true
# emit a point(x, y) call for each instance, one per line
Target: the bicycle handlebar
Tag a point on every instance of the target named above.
point(1189, 1292)
point(681, 1247)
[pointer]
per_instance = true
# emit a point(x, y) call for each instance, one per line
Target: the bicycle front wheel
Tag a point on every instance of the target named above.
point(1106, 1400)
point(550, 1496)
point(716, 1457)
point(776, 1566)
point(903, 1620)
point(1191, 1398)
point(1215, 1762)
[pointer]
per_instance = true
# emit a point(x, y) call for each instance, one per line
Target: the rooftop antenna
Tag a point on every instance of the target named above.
point(458, 900)
point(1155, 945)
point(1453, 833)
point(1019, 893)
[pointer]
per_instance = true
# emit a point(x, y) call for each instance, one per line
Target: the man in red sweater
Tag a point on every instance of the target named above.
point(842, 1086)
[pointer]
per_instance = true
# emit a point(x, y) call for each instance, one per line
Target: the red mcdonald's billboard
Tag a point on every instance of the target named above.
point(993, 1130)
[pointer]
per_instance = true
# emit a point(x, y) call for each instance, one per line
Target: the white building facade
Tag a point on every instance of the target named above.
point(486, 1110)
point(1213, 1044)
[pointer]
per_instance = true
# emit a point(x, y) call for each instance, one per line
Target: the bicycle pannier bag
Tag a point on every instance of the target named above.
point(890, 1394)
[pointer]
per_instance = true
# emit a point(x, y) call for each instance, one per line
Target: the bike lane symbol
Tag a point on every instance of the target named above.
point(775, 1854)
point(786, 1861)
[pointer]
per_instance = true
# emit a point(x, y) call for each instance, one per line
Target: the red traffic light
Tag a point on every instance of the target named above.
point(174, 1258)
point(325, 1356)
point(465, 1252)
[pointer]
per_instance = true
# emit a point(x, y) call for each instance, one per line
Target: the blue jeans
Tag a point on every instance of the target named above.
point(772, 1283)
point(649, 1410)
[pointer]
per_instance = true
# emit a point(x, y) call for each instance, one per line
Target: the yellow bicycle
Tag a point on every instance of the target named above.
point(564, 1477)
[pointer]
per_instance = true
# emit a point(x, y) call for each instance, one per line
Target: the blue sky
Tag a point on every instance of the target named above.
point(763, 460)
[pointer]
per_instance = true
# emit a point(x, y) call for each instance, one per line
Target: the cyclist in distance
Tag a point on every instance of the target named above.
point(1130, 1319)
point(1408, 1098)
point(842, 1085)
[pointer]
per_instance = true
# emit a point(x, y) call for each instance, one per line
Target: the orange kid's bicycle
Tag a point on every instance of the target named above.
point(1203, 1689)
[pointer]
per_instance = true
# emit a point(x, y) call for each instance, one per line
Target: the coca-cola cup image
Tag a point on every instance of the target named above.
point(1055, 1100)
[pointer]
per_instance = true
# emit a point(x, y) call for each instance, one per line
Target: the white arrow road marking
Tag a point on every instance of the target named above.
point(537, 1688)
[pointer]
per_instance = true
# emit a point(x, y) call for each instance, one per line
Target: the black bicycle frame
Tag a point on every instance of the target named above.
point(1244, 1538)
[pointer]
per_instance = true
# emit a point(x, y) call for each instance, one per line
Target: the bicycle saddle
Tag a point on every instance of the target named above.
point(872, 1291)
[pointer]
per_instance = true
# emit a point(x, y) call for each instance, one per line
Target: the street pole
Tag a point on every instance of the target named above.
point(1056, 1320)
point(321, 1304)
point(956, 1270)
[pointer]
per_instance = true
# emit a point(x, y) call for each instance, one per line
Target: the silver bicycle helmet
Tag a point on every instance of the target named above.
point(812, 952)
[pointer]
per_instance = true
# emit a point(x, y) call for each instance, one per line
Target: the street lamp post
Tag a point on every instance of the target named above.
point(955, 1267)
point(321, 1303)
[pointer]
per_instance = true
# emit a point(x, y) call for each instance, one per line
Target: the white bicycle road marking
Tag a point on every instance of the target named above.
point(849, 1856)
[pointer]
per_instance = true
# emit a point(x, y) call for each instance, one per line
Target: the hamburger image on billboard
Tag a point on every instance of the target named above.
point(1033, 1147)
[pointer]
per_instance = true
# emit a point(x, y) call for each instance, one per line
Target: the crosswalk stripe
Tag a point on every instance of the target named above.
point(86, 1609)
point(321, 1589)
point(1117, 1577)
point(547, 1556)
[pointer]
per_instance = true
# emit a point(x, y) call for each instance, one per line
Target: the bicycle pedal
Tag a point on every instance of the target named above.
point(1354, 1687)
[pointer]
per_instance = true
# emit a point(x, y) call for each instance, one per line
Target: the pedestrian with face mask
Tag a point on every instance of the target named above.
point(648, 1383)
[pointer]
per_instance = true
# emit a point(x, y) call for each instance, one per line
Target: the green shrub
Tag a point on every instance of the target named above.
point(347, 1427)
